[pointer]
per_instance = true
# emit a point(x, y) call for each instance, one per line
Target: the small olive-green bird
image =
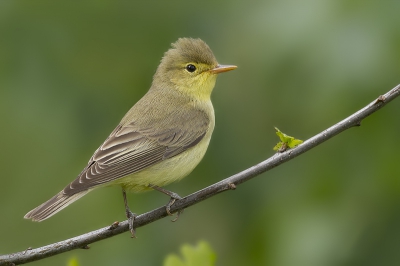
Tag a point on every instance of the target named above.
point(161, 139)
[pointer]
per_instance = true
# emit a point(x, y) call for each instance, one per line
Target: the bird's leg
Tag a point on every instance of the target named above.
point(174, 196)
point(130, 215)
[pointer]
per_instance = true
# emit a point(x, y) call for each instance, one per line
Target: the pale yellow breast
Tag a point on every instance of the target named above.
point(170, 170)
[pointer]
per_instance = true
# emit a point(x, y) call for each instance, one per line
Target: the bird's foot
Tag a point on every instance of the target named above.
point(131, 218)
point(130, 215)
point(174, 196)
point(168, 208)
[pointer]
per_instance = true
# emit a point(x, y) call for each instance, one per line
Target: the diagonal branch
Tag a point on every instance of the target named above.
point(227, 184)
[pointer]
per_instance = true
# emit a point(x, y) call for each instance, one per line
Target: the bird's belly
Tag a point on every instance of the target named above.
point(165, 172)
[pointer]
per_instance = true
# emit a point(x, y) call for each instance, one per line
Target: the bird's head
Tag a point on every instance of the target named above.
point(189, 67)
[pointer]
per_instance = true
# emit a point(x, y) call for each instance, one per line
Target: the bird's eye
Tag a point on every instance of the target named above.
point(191, 68)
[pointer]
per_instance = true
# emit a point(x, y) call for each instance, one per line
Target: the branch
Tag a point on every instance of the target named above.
point(229, 183)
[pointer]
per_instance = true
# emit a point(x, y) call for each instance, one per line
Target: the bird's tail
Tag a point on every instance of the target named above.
point(53, 205)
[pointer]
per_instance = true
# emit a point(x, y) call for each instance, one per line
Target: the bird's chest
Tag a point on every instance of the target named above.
point(170, 170)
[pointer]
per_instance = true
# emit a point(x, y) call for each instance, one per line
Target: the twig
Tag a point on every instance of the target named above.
point(229, 183)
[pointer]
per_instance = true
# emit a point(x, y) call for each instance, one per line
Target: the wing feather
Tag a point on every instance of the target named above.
point(134, 147)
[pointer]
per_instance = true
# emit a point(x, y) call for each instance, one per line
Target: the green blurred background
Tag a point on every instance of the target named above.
point(70, 71)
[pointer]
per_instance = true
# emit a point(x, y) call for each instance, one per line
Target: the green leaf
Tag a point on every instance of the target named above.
point(73, 262)
point(200, 255)
point(286, 141)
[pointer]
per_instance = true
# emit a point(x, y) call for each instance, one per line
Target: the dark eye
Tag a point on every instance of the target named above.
point(191, 68)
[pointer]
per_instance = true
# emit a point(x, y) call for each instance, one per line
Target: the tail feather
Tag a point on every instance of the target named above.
point(53, 205)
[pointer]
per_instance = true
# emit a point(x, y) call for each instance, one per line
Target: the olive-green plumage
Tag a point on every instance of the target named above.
point(162, 137)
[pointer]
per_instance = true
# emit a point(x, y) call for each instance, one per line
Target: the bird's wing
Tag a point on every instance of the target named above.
point(132, 148)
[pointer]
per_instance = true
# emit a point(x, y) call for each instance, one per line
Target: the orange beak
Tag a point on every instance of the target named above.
point(222, 68)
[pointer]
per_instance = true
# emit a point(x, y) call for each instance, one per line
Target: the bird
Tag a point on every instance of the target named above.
point(160, 140)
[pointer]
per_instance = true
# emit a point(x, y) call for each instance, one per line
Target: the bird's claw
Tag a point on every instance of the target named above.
point(168, 207)
point(131, 218)
point(174, 196)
